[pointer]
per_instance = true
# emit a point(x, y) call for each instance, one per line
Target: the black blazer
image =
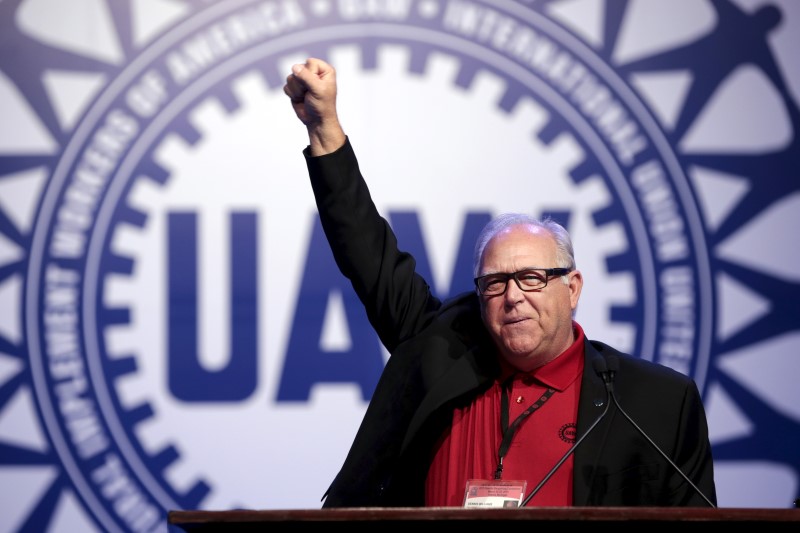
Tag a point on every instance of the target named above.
point(442, 357)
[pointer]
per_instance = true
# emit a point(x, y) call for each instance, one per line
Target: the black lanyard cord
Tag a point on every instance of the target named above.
point(510, 431)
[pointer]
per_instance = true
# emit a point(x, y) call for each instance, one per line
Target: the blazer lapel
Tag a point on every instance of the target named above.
point(465, 374)
point(593, 403)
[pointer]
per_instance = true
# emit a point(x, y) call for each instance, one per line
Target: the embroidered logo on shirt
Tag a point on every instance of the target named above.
point(567, 433)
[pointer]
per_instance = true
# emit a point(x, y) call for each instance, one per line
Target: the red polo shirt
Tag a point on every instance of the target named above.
point(470, 449)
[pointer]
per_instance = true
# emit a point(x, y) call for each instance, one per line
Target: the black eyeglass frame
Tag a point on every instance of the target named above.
point(549, 273)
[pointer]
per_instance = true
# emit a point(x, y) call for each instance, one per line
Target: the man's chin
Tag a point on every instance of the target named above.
point(520, 357)
point(521, 353)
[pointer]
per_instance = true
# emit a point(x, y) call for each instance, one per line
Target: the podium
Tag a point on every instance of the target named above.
point(367, 519)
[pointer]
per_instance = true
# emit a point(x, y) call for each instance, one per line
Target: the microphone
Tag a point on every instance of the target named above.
point(601, 370)
point(613, 365)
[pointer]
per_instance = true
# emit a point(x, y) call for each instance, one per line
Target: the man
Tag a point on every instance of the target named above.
point(499, 386)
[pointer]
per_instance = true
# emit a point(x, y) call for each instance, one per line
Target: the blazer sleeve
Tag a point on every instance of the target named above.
point(666, 405)
point(693, 451)
point(397, 300)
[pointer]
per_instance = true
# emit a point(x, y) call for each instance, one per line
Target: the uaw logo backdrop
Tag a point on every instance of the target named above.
point(174, 333)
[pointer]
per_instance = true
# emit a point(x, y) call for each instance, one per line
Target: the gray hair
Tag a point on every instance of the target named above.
point(565, 256)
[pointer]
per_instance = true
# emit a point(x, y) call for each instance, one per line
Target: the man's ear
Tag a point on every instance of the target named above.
point(575, 287)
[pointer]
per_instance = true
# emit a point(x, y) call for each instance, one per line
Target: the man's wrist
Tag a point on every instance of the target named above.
point(325, 140)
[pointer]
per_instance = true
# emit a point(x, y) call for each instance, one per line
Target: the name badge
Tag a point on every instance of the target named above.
point(485, 493)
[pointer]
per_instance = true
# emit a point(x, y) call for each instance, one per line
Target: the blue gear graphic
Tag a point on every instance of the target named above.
point(743, 35)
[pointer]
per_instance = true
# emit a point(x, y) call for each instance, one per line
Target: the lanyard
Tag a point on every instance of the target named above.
point(510, 431)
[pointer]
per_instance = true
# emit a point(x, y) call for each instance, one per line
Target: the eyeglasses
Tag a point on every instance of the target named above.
point(530, 279)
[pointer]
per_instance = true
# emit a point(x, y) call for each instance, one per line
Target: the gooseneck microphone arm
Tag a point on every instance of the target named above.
point(613, 365)
point(600, 368)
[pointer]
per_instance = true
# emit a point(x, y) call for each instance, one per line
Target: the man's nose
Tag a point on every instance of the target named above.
point(513, 292)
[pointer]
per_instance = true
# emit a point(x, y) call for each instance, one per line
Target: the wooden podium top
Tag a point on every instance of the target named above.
point(361, 518)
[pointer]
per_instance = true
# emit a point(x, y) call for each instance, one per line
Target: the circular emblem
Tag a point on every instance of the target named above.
point(184, 338)
point(567, 433)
